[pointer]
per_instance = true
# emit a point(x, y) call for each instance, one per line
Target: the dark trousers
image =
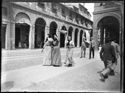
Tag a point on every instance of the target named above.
point(83, 52)
point(91, 51)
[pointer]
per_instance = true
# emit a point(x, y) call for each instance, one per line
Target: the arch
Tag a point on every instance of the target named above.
point(70, 30)
point(40, 24)
point(22, 28)
point(84, 35)
point(109, 28)
point(22, 18)
point(63, 28)
point(81, 36)
point(62, 36)
point(108, 14)
point(53, 28)
point(62, 40)
point(76, 36)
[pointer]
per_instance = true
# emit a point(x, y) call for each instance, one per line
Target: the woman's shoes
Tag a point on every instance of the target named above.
point(69, 65)
point(56, 65)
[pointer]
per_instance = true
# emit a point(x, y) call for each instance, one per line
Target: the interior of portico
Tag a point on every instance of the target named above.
point(108, 27)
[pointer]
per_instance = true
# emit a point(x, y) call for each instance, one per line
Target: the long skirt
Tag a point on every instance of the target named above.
point(69, 56)
point(56, 56)
point(47, 56)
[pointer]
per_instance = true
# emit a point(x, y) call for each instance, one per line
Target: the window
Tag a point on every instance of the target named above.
point(82, 21)
point(63, 12)
point(77, 20)
point(102, 4)
point(4, 11)
point(70, 16)
point(41, 5)
point(54, 8)
point(86, 23)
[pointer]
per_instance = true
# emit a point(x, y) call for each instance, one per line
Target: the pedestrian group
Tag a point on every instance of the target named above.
point(52, 54)
point(109, 54)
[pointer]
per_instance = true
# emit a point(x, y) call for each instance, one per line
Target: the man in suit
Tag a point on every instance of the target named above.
point(91, 47)
point(107, 55)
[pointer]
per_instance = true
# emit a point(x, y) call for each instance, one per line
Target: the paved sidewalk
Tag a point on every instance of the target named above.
point(20, 59)
point(82, 76)
point(32, 77)
point(25, 76)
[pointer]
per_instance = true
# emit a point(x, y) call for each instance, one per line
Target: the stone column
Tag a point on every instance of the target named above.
point(46, 31)
point(78, 37)
point(122, 39)
point(58, 33)
point(73, 39)
point(95, 36)
point(65, 40)
point(10, 36)
point(32, 37)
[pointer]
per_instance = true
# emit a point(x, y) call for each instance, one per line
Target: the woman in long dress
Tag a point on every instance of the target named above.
point(56, 54)
point(47, 58)
point(69, 53)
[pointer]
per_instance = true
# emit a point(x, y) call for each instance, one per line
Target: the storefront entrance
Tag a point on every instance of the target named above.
point(3, 36)
point(21, 35)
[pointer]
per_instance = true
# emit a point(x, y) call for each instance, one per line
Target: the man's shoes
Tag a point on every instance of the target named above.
point(106, 76)
point(102, 77)
point(112, 73)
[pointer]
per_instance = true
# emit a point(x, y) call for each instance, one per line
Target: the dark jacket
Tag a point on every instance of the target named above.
point(107, 53)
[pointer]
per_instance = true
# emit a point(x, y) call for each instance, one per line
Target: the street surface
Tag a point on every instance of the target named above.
point(26, 73)
point(16, 59)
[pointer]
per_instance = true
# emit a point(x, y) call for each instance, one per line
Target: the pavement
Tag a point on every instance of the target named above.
point(17, 59)
point(82, 76)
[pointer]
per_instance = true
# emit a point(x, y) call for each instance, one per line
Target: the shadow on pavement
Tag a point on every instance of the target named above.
point(7, 86)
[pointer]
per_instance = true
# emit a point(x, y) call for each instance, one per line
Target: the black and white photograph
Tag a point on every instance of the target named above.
point(62, 46)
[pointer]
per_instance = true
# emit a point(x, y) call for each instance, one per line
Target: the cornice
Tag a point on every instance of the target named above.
point(47, 15)
point(106, 10)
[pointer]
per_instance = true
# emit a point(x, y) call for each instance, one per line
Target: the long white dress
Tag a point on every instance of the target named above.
point(47, 59)
point(69, 54)
point(56, 54)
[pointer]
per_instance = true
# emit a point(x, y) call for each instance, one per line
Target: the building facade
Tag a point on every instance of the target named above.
point(108, 22)
point(26, 24)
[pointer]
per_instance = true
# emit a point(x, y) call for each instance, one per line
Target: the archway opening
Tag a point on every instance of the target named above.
point(3, 35)
point(62, 37)
point(22, 35)
point(109, 28)
point(39, 32)
point(81, 36)
point(62, 40)
point(91, 33)
point(53, 27)
point(85, 35)
point(22, 28)
point(76, 37)
point(70, 31)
